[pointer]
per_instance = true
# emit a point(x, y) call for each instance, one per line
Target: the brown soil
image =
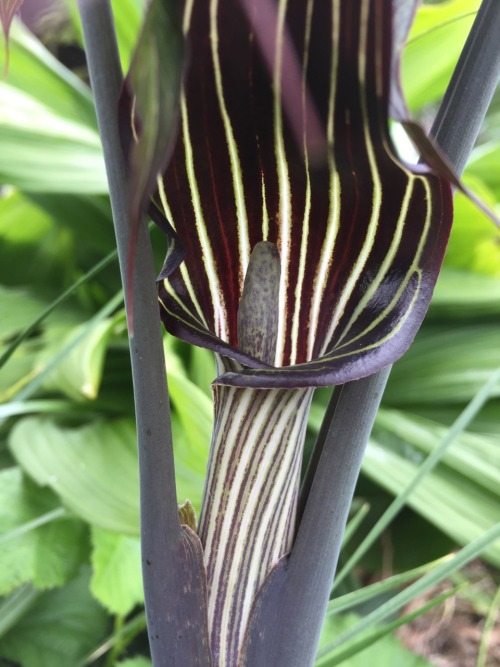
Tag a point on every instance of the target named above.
point(450, 635)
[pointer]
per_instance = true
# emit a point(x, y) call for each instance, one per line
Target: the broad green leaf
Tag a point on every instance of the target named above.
point(445, 366)
point(465, 295)
point(471, 455)
point(34, 251)
point(42, 151)
point(79, 374)
point(59, 629)
point(48, 555)
point(202, 369)
point(19, 371)
point(14, 606)
point(92, 468)
point(474, 243)
point(455, 504)
point(136, 662)
point(20, 306)
point(484, 165)
point(434, 45)
point(86, 218)
point(34, 71)
point(127, 15)
point(191, 436)
point(116, 571)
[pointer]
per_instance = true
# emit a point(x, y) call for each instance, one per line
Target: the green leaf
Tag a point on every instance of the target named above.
point(434, 45)
point(14, 606)
point(191, 437)
point(47, 555)
point(79, 374)
point(20, 305)
point(116, 576)
point(136, 662)
point(92, 468)
point(42, 151)
point(445, 366)
point(449, 566)
point(474, 243)
point(484, 165)
point(58, 630)
point(34, 251)
point(465, 295)
point(454, 503)
point(386, 652)
point(34, 71)
point(474, 456)
point(379, 589)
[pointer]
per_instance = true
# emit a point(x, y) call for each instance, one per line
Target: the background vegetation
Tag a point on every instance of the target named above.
point(70, 575)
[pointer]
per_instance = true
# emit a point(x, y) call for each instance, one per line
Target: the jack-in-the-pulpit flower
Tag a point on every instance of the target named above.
point(284, 162)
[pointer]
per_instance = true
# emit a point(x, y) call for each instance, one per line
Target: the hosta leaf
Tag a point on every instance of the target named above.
point(30, 132)
point(457, 505)
point(465, 295)
point(34, 251)
point(445, 366)
point(92, 468)
point(80, 372)
point(21, 307)
point(60, 628)
point(298, 153)
point(136, 662)
point(434, 46)
point(37, 73)
point(474, 456)
point(116, 571)
point(48, 555)
point(474, 242)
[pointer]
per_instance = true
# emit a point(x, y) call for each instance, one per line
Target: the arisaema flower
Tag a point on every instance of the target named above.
point(284, 163)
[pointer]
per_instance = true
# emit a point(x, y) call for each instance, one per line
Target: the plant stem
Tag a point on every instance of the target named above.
point(290, 608)
point(171, 555)
point(471, 88)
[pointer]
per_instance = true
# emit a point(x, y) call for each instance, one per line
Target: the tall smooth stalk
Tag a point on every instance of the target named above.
point(174, 586)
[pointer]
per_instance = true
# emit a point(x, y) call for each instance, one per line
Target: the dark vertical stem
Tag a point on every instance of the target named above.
point(172, 562)
point(471, 88)
point(289, 612)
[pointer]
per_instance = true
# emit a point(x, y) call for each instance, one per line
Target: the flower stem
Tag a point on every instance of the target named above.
point(172, 559)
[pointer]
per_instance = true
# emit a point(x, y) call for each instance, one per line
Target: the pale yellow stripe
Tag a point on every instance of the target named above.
point(283, 185)
point(220, 322)
point(328, 247)
point(307, 210)
point(360, 264)
point(238, 186)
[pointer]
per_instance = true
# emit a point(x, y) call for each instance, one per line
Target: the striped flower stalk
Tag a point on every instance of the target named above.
point(303, 250)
